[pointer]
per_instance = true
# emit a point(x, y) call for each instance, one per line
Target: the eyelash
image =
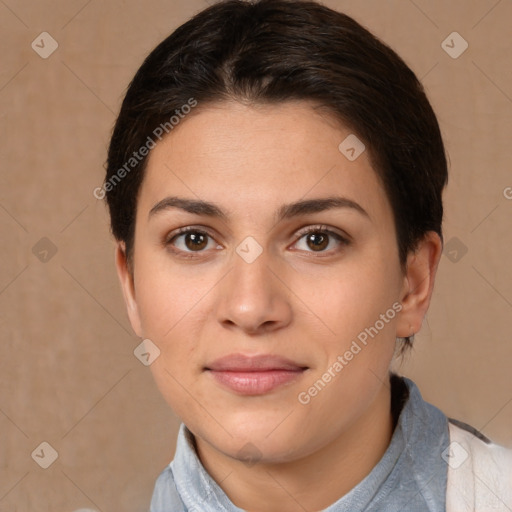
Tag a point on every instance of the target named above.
point(320, 229)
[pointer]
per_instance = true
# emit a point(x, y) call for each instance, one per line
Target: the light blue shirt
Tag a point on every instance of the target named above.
point(411, 476)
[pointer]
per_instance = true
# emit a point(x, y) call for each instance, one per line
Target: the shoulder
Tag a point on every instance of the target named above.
point(165, 495)
point(479, 471)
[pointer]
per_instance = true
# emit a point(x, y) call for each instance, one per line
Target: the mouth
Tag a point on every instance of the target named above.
point(254, 375)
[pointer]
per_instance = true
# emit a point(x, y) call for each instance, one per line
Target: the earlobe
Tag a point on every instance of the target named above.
point(418, 284)
point(126, 279)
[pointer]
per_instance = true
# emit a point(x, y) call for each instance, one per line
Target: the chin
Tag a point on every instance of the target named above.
point(254, 442)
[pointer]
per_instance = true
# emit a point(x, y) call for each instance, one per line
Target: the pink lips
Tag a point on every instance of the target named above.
point(254, 375)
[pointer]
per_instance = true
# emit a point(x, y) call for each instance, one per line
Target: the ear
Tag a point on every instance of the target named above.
point(418, 284)
point(125, 275)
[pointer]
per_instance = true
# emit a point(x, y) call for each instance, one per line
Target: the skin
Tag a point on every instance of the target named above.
point(294, 300)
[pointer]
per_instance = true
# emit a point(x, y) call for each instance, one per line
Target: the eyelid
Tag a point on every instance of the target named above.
point(168, 244)
point(326, 229)
point(342, 238)
point(180, 231)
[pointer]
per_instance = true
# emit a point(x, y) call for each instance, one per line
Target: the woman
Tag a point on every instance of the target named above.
point(275, 183)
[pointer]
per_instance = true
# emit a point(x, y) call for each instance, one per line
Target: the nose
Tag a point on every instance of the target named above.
point(254, 297)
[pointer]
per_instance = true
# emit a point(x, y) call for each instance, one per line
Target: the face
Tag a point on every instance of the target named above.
point(261, 307)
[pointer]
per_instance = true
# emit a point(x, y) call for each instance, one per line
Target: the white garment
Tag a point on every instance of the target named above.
point(479, 474)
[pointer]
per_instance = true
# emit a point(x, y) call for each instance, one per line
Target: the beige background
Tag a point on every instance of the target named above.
point(68, 373)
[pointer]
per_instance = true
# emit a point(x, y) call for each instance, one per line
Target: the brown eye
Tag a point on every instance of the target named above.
point(318, 239)
point(189, 240)
point(195, 241)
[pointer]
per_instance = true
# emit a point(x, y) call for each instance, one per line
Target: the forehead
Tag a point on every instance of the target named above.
point(251, 159)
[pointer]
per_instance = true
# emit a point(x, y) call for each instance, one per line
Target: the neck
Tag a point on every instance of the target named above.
point(331, 472)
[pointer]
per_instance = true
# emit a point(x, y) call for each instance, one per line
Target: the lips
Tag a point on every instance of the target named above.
point(254, 375)
point(243, 363)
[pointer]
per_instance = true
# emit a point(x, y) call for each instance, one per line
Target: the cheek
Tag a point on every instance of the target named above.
point(172, 315)
point(353, 298)
point(166, 297)
point(172, 304)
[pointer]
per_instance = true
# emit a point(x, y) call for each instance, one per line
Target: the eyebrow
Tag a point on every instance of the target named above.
point(286, 211)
